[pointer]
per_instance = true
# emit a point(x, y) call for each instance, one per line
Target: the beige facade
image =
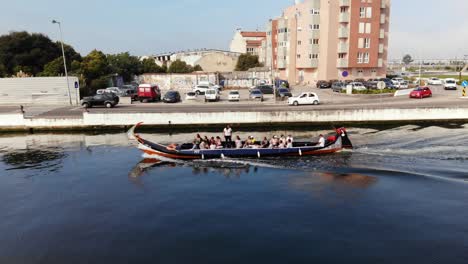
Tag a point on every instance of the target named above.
point(321, 39)
point(252, 42)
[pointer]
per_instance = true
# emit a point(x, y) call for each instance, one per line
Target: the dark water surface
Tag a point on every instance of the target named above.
point(400, 197)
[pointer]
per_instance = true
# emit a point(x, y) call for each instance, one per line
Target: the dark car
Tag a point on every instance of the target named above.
point(265, 89)
point(371, 85)
point(172, 97)
point(388, 83)
point(323, 85)
point(283, 93)
point(108, 100)
point(338, 87)
point(360, 80)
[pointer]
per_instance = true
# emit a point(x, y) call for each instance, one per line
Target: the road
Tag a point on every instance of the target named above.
point(329, 100)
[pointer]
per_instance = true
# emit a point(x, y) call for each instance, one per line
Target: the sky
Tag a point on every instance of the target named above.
point(426, 29)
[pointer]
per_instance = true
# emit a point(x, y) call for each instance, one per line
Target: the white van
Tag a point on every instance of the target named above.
point(212, 95)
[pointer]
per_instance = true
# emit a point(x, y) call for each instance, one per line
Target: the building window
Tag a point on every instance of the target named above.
point(362, 12)
point(315, 27)
point(315, 11)
point(315, 42)
point(299, 43)
point(369, 12)
point(367, 43)
point(364, 28)
point(341, 55)
point(360, 57)
point(366, 57)
point(298, 56)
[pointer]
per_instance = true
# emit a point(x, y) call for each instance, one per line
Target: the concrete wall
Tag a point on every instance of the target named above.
point(38, 91)
point(16, 121)
point(245, 79)
point(179, 82)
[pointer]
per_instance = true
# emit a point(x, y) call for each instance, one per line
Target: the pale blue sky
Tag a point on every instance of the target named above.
point(423, 28)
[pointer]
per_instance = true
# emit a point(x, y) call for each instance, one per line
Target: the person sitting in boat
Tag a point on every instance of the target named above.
point(265, 143)
point(290, 138)
point(219, 143)
point(321, 142)
point(283, 138)
point(238, 142)
point(212, 143)
point(289, 144)
point(203, 145)
point(247, 142)
point(197, 141)
point(206, 140)
point(281, 144)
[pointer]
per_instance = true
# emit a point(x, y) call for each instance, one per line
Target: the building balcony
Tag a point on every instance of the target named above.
point(383, 4)
point(343, 48)
point(381, 48)
point(382, 34)
point(343, 32)
point(383, 19)
point(344, 3)
point(314, 49)
point(344, 17)
point(342, 63)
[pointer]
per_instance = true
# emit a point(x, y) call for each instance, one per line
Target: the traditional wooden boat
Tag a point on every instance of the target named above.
point(335, 143)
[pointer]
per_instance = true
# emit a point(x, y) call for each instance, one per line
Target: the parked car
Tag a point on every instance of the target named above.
point(172, 97)
point(450, 84)
point(388, 83)
point(191, 96)
point(265, 89)
point(323, 85)
point(283, 93)
point(256, 94)
point(108, 100)
point(359, 80)
point(281, 83)
point(357, 86)
point(149, 93)
point(371, 85)
point(304, 99)
point(403, 85)
point(421, 92)
point(212, 95)
point(396, 81)
point(434, 81)
point(234, 96)
point(201, 89)
point(338, 87)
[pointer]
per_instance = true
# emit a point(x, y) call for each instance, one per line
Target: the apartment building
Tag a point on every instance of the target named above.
point(329, 39)
point(252, 42)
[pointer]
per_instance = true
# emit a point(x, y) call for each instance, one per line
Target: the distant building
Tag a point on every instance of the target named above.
point(210, 60)
point(324, 40)
point(252, 42)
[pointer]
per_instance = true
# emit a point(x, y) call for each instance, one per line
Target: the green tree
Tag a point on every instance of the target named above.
point(247, 61)
point(407, 59)
point(197, 68)
point(150, 66)
point(30, 52)
point(179, 66)
point(53, 68)
point(124, 65)
point(94, 66)
point(3, 71)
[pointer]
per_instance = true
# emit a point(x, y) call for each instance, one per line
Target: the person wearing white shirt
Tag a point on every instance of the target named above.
point(321, 142)
point(228, 136)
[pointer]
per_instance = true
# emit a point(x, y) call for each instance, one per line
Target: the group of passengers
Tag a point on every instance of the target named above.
point(213, 143)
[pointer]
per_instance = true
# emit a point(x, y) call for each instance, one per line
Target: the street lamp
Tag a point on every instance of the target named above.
point(64, 59)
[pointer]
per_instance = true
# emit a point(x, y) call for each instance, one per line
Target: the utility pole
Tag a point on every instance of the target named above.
point(64, 61)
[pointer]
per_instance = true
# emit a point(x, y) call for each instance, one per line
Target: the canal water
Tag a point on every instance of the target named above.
point(400, 197)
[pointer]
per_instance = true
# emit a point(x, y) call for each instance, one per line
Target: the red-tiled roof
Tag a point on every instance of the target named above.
point(253, 34)
point(254, 42)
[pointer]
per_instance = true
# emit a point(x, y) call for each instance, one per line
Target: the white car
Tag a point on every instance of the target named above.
point(200, 89)
point(357, 86)
point(212, 95)
point(403, 85)
point(396, 81)
point(190, 96)
point(234, 96)
point(450, 84)
point(434, 81)
point(304, 99)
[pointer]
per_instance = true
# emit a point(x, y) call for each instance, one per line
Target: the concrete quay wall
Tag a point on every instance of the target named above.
point(102, 120)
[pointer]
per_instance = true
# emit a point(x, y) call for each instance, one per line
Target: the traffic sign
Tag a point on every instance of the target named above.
point(465, 84)
point(345, 74)
point(77, 86)
point(381, 85)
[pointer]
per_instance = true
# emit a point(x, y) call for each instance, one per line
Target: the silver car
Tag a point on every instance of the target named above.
point(256, 94)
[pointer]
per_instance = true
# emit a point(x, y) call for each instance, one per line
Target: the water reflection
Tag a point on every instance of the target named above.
point(50, 159)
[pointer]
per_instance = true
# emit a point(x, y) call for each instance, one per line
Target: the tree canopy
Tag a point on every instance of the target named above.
point(247, 61)
point(407, 59)
point(179, 66)
point(30, 52)
point(125, 65)
point(150, 66)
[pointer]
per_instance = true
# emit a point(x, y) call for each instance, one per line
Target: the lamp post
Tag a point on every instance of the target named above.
point(64, 60)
